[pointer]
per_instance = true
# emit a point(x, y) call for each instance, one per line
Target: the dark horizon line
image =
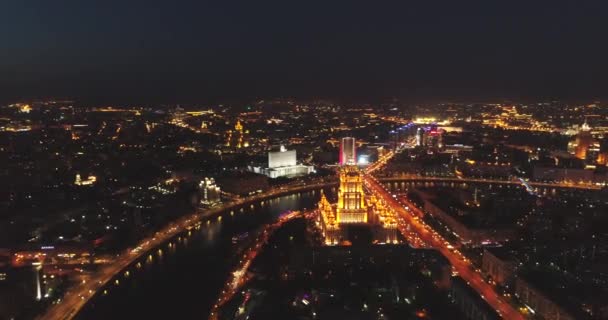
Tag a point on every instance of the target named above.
point(95, 102)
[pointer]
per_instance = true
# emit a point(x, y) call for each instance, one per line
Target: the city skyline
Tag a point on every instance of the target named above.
point(244, 160)
point(130, 212)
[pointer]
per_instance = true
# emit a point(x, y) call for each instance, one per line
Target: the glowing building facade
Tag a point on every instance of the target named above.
point(283, 163)
point(210, 193)
point(90, 180)
point(351, 199)
point(355, 207)
point(431, 137)
point(237, 138)
point(585, 146)
point(282, 158)
point(348, 154)
point(328, 222)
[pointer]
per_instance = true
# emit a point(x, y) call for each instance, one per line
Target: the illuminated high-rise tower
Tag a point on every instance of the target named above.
point(348, 153)
point(351, 198)
point(354, 207)
point(420, 137)
point(237, 138)
point(38, 285)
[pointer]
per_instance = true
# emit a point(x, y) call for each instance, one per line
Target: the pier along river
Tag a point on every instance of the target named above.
point(181, 279)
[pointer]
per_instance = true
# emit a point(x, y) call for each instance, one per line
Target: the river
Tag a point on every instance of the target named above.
point(183, 280)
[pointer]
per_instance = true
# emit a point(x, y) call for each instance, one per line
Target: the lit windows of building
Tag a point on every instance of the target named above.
point(327, 219)
point(354, 207)
point(351, 199)
point(239, 137)
point(585, 146)
point(283, 163)
point(430, 137)
point(210, 193)
point(90, 180)
point(602, 158)
point(348, 153)
point(25, 108)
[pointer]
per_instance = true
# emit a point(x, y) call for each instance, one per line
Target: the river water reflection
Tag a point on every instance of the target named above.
point(181, 279)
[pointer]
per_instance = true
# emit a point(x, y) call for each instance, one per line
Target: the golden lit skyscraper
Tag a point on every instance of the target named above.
point(351, 199)
point(354, 207)
point(237, 138)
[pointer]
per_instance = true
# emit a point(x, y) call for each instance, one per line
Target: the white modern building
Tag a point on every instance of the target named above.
point(283, 163)
point(282, 158)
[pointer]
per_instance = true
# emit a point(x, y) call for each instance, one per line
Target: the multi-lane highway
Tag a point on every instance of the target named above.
point(535, 184)
point(77, 296)
point(409, 213)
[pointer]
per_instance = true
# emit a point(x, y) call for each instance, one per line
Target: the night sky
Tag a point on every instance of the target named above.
point(206, 51)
